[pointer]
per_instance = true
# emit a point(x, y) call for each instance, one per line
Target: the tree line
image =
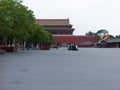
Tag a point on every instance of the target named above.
point(18, 25)
point(101, 34)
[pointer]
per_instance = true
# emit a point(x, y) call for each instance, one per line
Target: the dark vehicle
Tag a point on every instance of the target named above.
point(72, 47)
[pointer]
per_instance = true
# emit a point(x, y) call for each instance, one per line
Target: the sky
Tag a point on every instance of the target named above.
point(84, 15)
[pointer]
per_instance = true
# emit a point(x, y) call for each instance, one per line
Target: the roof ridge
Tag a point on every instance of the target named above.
point(53, 21)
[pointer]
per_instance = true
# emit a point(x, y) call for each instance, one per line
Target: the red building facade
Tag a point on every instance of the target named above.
point(65, 39)
point(63, 32)
point(56, 26)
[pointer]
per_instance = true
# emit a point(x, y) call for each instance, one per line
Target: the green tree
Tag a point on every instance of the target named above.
point(45, 37)
point(40, 36)
point(111, 36)
point(18, 24)
point(36, 36)
point(117, 36)
point(16, 21)
point(90, 33)
point(102, 33)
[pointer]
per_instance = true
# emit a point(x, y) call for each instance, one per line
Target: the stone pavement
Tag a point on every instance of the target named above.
point(85, 69)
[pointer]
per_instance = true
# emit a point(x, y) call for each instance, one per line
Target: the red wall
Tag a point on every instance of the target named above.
point(75, 39)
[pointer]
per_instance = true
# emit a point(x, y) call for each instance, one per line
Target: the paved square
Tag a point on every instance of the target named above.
point(85, 69)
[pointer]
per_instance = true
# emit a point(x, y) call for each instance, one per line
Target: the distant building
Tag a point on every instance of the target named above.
point(82, 41)
point(63, 32)
point(57, 26)
point(113, 43)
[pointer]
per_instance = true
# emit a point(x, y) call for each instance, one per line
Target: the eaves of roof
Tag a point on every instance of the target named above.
point(114, 41)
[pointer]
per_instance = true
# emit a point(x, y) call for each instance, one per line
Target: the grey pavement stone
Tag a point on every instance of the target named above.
point(85, 69)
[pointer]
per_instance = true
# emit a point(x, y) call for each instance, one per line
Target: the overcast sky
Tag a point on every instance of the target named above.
point(84, 15)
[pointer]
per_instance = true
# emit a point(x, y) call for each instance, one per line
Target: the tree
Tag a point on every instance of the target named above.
point(108, 37)
point(111, 36)
point(40, 36)
point(46, 38)
point(16, 21)
point(102, 33)
point(90, 33)
point(18, 24)
point(117, 36)
point(37, 35)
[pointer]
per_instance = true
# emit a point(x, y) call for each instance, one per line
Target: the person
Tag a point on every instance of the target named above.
point(57, 46)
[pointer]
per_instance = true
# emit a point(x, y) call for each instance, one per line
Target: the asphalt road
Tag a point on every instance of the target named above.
point(85, 69)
